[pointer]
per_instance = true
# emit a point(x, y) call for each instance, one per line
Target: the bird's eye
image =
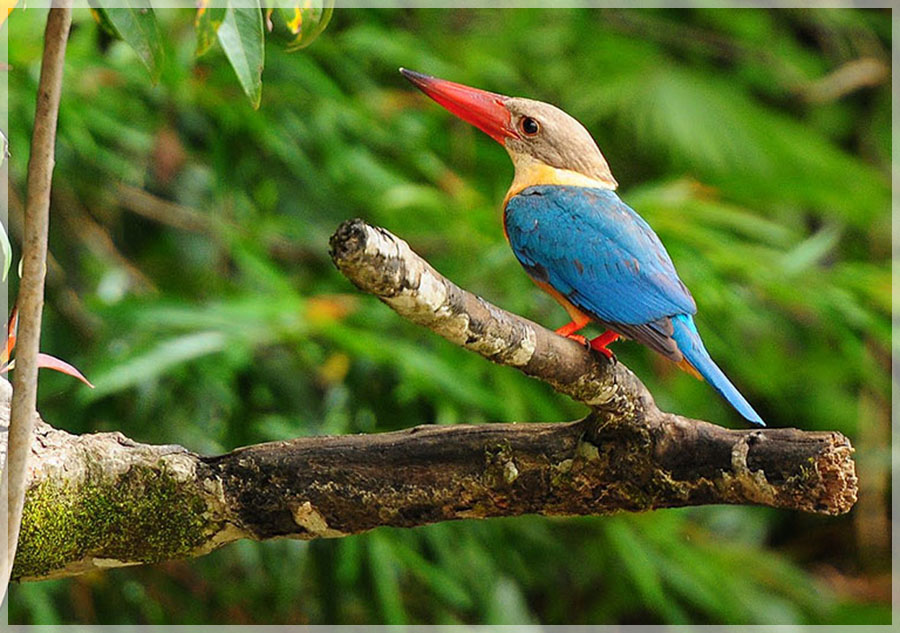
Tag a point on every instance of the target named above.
point(529, 126)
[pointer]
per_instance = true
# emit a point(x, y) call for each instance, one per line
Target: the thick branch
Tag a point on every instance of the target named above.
point(102, 500)
point(34, 265)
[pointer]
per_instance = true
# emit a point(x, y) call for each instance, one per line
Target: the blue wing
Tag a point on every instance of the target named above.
point(598, 253)
point(606, 260)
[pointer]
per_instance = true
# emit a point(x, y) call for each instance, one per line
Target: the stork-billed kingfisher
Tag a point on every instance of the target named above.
point(577, 240)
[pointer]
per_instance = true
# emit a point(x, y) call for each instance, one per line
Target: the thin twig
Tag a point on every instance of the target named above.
point(79, 223)
point(165, 212)
point(185, 218)
point(865, 72)
point(31, 289)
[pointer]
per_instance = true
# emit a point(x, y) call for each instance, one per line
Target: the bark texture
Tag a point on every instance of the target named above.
point(103, 500)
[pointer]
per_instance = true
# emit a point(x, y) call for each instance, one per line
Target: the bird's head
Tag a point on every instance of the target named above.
point(547, 146)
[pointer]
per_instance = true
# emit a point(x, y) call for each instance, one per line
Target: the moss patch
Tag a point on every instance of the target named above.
point(143, 515)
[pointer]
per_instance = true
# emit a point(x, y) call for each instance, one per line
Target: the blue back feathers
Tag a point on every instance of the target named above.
point(605, 259)
point(597, 251)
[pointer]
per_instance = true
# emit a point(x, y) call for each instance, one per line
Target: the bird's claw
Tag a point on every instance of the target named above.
point(578, 338)
point(608, 353)
point(596, 344)
point(599, 344)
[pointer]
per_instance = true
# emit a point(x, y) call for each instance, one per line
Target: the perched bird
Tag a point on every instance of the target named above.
point(577, 240)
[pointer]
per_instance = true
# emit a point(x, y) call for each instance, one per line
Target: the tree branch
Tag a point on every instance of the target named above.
point(34, 266)
point(380, 263)
point(102, 500)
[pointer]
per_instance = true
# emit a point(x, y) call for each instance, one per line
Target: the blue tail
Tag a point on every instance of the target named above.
point(691, 346)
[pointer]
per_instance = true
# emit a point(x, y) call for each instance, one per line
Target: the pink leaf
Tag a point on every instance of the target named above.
point(52, 362)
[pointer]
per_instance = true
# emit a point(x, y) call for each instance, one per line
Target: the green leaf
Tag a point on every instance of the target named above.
point(507, 603)
point(137, 26)
point(811, 250)
point(207, 23)
point(241, 36)
point(638, 564)
point(102, 19)
point(157, 361)
point(442, 583)
point(385, 579)
point(305, 23)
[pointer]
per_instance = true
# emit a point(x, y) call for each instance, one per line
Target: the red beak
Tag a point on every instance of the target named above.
point(484, 110)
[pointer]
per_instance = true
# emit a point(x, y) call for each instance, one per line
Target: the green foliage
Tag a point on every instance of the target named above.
point(242, 39)
point(239, 29)
point(136, 25)
point(231, 326)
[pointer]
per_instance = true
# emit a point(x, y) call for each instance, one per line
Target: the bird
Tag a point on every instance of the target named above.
point(578, 240)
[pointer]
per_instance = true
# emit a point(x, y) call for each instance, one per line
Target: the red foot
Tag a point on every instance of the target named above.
point(599, 344)
point(570, 328)
point(578, 338)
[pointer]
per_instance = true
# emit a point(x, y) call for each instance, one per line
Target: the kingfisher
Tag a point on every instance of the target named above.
point(578, 240)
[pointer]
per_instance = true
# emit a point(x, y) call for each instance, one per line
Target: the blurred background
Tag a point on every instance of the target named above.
point(190, 281)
